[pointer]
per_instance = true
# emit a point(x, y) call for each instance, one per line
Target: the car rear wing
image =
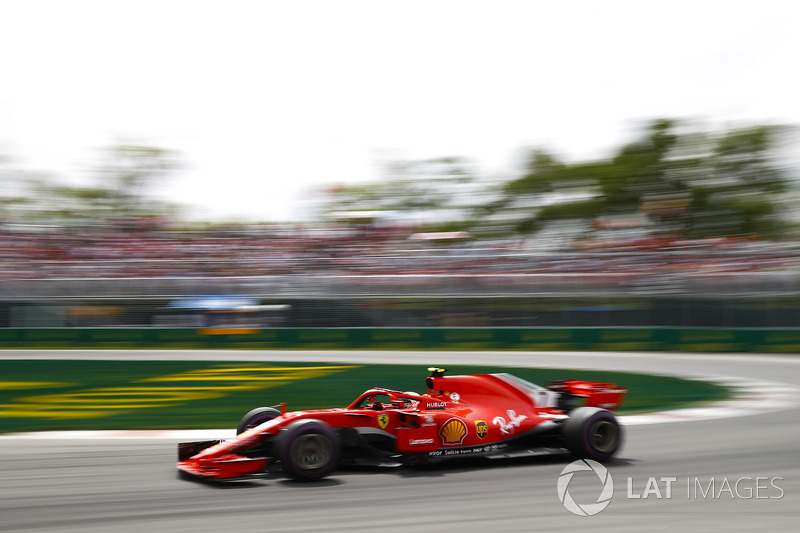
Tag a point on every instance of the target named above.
point(579, 393)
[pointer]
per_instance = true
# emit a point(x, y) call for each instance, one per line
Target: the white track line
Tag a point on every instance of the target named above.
point(181, 434)
point(750, 397)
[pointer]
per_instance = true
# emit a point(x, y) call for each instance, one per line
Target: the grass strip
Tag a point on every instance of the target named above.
point(46, 395)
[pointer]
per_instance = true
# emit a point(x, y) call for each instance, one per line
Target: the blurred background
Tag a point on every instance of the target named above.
point(180, 165)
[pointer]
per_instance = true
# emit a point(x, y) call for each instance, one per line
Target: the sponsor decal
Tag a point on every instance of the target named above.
point(453, 432)
point(420, 442)
point(481, 429)
point(455, 396)
point(383, 421)
point(428, 421)
point(468, 451)
point(436, 405)
point(508, 427)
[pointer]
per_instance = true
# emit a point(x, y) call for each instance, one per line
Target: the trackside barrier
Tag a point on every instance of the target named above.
point(765, 340)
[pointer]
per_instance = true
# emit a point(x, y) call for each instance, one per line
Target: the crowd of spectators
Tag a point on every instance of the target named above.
point(332, 250)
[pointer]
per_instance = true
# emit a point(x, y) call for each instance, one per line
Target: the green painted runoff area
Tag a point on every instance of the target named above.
point(42, 395)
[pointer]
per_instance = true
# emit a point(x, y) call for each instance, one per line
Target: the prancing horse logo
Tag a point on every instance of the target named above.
point(383, 421)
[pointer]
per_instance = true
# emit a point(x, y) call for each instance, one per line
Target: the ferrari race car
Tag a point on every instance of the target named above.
point(459, 416)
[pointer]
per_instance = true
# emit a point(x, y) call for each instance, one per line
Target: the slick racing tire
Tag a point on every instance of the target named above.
point(308, 449)
point(592, 433)
point(256, 417)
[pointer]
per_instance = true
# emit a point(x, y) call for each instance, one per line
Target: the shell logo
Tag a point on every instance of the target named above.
point(453, 431)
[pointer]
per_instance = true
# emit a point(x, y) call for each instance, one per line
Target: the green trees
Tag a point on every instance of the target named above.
point(441, 192)
point(127, 171)
point(672, 179)
point(679, 181)
point(124, 174)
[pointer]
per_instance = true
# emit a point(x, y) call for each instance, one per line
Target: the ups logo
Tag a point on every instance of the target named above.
point(481, 429)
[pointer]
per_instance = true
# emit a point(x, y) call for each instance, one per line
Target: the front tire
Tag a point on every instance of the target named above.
point(256, 417)
point(308, 449)
point(592, 433)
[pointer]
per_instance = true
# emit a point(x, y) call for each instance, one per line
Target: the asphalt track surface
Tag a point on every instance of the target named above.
point(130, 484)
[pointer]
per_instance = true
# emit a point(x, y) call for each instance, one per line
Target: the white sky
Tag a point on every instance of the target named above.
point(267, 100)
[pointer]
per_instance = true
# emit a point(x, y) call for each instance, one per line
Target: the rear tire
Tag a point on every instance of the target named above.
point(308, 449)
point(256, 417)
point(592, 433)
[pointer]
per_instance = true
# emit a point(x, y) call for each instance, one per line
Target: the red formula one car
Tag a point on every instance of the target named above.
point(460, 416)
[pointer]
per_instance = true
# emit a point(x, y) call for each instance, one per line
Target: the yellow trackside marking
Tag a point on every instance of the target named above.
point(27, 385)
point(254, 373)
point(159, 391)
point(228, 331)
point(132, 395)
point(20, 411)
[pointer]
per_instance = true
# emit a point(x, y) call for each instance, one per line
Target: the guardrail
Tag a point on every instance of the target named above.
point(754, 340)
point(739, 284)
